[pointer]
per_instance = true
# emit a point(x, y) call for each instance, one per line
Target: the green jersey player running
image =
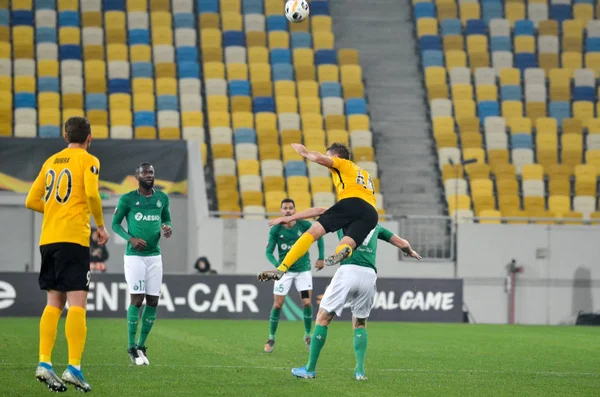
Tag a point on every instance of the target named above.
point(283, 237)
point(148, 215)
point(354, 283)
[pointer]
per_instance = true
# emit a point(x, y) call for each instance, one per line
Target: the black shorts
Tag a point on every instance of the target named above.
point(355, 216)
point(65, 267)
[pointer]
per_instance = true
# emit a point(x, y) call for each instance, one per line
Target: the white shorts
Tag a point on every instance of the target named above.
point(302, 281)
point(144, 274)
point(352, 286)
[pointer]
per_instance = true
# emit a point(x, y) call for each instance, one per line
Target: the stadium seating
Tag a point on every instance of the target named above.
point(513, 86)
point(232, 73)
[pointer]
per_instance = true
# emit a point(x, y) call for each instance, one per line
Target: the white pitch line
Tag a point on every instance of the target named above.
point(474, 371)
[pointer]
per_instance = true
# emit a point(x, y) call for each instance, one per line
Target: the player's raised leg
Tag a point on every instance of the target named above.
point(153, 286)
point(76, 332)
point(302, 245)
point(48, 329)
point(278, 300)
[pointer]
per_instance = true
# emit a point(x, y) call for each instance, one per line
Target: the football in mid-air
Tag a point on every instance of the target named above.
point(296, 10)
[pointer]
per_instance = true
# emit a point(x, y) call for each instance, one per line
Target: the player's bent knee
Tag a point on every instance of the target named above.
point(316, 230)
point(359, 322)
point(306, 303)
point(137, 300)
point(152, 300)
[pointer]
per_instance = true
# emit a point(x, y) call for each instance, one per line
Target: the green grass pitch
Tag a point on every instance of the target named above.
point(206, 358)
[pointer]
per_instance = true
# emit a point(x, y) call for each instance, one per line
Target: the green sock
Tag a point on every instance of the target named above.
point(133, 314)
point(307, 320)
point(273, 322)
point(148, 317)
point(360, 348)
point(316, 344)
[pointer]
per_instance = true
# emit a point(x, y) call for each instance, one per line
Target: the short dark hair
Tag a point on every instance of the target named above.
point(287, 200)
point(340, 149)
point(77, 129)
point(142, 165)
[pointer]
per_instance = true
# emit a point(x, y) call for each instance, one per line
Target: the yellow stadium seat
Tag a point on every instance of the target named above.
point(498, 156)
point(548, 28)
point(241, 104)
point(93, 52)
point(363, 154)
point(118, 52)
point(507, 187)
point(211, 38)
point(479, 60)
point(504, 171)
point(447, 139)
point(143, 86)
point(471, 140)
point(166, 86)
point(258, 55)
point(266, 121)
point(195, 119)
point(453, 43)
point(137, 5)
point(49, 116)
point(297, 183)
point(548, 61)
point(216, 119)
point(278, 39)
point(452, 172)
point(100, 132)
point(572, 60)
point(546, 125)
point(22, 84)
point(162, 36)
point(532, 172)
point(592, 61)
point(305, 72)
point(22, 35)
point(145, 133)
point(289, 154)
point(446, 10)
point(310, 105)
point(572, 35)
point(458, 202)
point(319, 184)
point(335, 122)
point(48, 68)
point(260, 72)
point(534, 203)
point(323, 41)
point(358, 122)
point(337, 136)
point(222, 151)
point(477, 43)
point(469, 11)
point(435, 76)
point(212, 54)
point(572, 126)
point(583, 111)
point(49, 100)
point(349, 56)
point(286, 104)
point(328, 73)
point(119, 101)
point(256, 39)
point(508, 202)
point(535, 110)
point(273, 184)
point(477, 154)
point(270, 152)
point(583, 12)
point(477, 170)
point(121, 117)
point(464, 109)
point(514, 11)
point(231, 21)
point(285, 89)
point(510, 76)
point(353, 90)
point(23, 51)
point(320, 23)
point(242, 120)
point(252, 198)
point(237, 71)
point(493, 217)
point(233, 6)
point(351, 74)
point(487, 92)
point(303, 56)
point(524, 44)
point(165, 70)
point(520, 125)
point(290, 136)
point(483, 203)
point(512, 109)
point(72, 101)
point(97, 117)
point(559, 186)
point(217, 103)
point(138, 53)
point(69, 35)
point(262, 88)
point(443, 124)
point(311, 120)
point(314, 136)
point(559, 171)
point(299, 27)
point(214, 70)
point(437, 92)
point(462, 92)
point(143, 103)
point(456, 59)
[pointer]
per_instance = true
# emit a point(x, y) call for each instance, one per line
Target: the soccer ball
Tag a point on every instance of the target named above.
point(296, 10)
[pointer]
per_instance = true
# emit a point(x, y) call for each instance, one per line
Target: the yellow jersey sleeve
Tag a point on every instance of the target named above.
point(91, 176)
point(35, 197)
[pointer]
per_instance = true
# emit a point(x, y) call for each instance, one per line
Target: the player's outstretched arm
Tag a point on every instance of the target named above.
point(315, 157)
point(306, 214)
point(396, 241)
point(36, 194)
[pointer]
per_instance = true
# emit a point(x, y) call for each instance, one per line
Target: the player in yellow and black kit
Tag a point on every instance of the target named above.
point(355, 211)
point(66, 192)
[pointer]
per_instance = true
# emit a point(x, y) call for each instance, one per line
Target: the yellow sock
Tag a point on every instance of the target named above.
point(76, 331)
point(297, 251)
point(341, 247)
point(48, 328)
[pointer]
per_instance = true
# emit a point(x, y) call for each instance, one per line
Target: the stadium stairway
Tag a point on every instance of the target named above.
point(407, 163)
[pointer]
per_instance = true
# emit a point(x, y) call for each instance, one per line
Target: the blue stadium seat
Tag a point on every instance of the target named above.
point(424, 10)
point(139, 36)
point(25, 100)
point(96, 102)
point(451, 27)
point(167, 102)
point(207, 6)
point(492, 11)
point(184, 20)
point(68, 18)
point(277, 22)
point(186, 54)
point(264, 104)
point(521, 141)
point(70, 52)
point(144, 119)
point(49, 131)
point(283, 71)
point(188, 70)
point(487, 109)
point(501, 43)
point(560, 111)
point(4, 17)
point(330, 89)
point(301, 40)
point(511, 92)
point(234, 38)
point(22, 17)
point(280, 55)
point(430, 42)
point(319, 7)
point(475, 26)
point(45, 35)
point(142, 69)
point(323, 57)
point(592, 44)
point(252, 7)
point(433, 58)
point(525, 60)
point(524, 28)
point(356, 106)
point(239, 88)
point(561, 12)
point(113, 5)
point(295, 168)
point(244, 135)
point(45, 5)
point(584, 94)
point(116, 86)
point(48, 84)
